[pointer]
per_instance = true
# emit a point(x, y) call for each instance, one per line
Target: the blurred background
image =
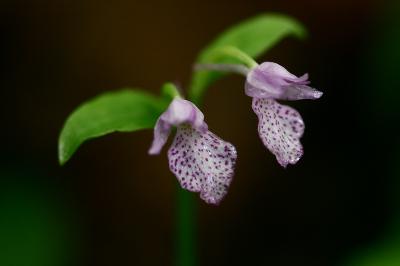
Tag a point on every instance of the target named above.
point(114, 205)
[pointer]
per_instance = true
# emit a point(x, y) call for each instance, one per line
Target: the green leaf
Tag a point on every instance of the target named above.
point(253, 37)
point(125, 110)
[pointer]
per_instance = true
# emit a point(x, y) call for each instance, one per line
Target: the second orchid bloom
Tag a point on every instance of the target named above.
point(280, 127)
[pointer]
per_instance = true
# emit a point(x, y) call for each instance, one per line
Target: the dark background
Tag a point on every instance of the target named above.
point(113, 205)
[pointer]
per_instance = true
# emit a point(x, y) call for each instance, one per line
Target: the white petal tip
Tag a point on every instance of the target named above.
point(318, 94)
point(153, 151)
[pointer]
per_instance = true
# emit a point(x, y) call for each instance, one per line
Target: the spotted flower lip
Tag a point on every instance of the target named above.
point(201, 161)
point(271, 81)
point(280, 128)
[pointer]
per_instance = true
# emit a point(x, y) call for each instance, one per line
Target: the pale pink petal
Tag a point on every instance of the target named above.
point(161, 134)
point(179, 112)
point(295, 92)
point(280, 128)
point(272, 81)
point(202, 162)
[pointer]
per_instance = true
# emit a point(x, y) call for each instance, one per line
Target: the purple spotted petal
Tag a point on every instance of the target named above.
point(179, 112)
point(280, 128)
point(202, 162)
point(272, 81)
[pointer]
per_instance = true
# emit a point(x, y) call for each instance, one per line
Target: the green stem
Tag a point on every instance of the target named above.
point(236, 53)
point(229, 68)
point(186, 228)
point(170, 91)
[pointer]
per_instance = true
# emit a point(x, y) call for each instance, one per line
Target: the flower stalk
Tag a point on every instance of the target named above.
point(186, 228)
point(237, 54)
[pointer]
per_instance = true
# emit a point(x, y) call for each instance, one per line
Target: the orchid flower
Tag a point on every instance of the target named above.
point(201, 161)
point(280, 127)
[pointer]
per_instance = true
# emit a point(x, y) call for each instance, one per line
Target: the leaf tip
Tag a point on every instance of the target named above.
point(62, 157)
point(294, 26)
